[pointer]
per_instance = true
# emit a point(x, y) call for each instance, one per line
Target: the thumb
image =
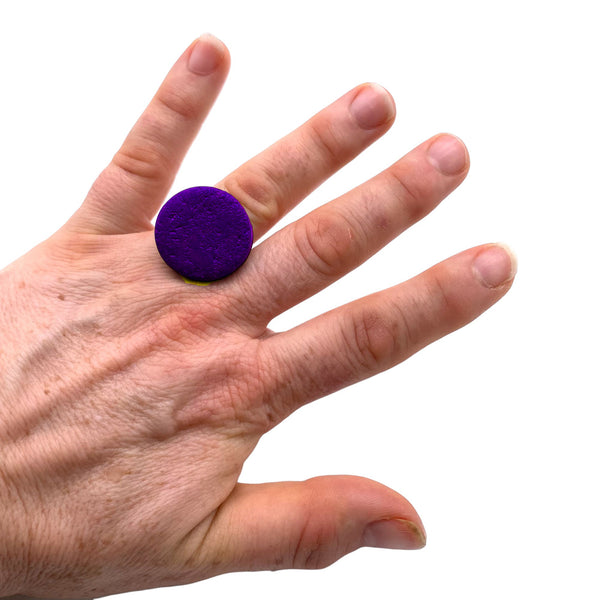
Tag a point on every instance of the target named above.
point(307, 525)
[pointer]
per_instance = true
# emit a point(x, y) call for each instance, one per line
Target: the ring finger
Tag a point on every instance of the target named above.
point(314, 251)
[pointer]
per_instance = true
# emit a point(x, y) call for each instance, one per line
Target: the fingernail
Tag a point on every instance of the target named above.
point(447, 154)
point(206, 55)
point(372, 106)
point(495, 265)
point(394, 533)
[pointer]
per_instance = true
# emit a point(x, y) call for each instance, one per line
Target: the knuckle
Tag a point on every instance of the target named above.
point(444, 306)
point(257, 192)
point(372, 339)
point(439, 294)
point(235, 396)
point(171, 329)
point(315, 548)
point(146, 162)
point(410, 192)
point(313, 557)
point(322, 536)
point(184, 323)
point(407, 336)
point(177, 328)
point(257, 408)
point(325, 241)
point(177, 103)
point(323, 136)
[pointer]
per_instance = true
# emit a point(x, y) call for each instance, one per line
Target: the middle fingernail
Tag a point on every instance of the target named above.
point(447, 154)
point(207, 55)
point(372, 106)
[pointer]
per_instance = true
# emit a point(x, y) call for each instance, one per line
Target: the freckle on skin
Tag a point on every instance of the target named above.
point(61, 297)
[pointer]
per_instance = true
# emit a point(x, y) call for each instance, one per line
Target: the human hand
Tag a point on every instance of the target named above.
point(130, 399)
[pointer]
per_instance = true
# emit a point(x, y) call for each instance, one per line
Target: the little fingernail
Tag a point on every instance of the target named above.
point(394, 533)
point(447, 154)
point(495, 265)
point(372, 106)
point(206, 55)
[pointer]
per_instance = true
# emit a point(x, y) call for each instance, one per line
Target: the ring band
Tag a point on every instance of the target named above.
point(203, 233)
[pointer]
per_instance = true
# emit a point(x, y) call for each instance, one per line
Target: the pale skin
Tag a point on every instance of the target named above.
point(131, 399)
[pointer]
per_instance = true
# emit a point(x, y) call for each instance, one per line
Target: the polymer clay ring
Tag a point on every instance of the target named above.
point(203, 233)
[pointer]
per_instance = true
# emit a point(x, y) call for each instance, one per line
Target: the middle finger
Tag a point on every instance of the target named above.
point(272, 183)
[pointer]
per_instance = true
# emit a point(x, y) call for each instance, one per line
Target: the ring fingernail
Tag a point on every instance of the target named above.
point(372, 106)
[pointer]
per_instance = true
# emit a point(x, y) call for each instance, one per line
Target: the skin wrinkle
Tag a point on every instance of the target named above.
point(384, 214)
point(323, 136)
point(119, 182)
point(278, 398)
point(143, 164)
point(191, 545)
point(374, 340)
point(405, 338)
point(254, 190)
point(255, 395)
point(284, 394)
point(257, 317)
point(243, 404)
point(412, 206)
point(177, 108)
point(325, 241)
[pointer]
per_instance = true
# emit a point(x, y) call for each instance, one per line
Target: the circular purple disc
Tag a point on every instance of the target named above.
point(203, 233)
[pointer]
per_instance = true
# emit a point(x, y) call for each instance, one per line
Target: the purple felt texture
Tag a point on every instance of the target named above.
point(203, 233)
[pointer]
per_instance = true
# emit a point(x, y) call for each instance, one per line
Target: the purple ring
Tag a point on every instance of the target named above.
point(203, 233)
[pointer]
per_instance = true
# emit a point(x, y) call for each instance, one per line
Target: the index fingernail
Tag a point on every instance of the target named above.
point(207, 54)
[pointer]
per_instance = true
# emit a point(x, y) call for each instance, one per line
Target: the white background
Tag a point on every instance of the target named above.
point(492, 433)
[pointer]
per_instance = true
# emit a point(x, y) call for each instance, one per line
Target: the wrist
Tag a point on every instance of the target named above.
point(8, 585)
point(19, 597)
point(12, 547)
